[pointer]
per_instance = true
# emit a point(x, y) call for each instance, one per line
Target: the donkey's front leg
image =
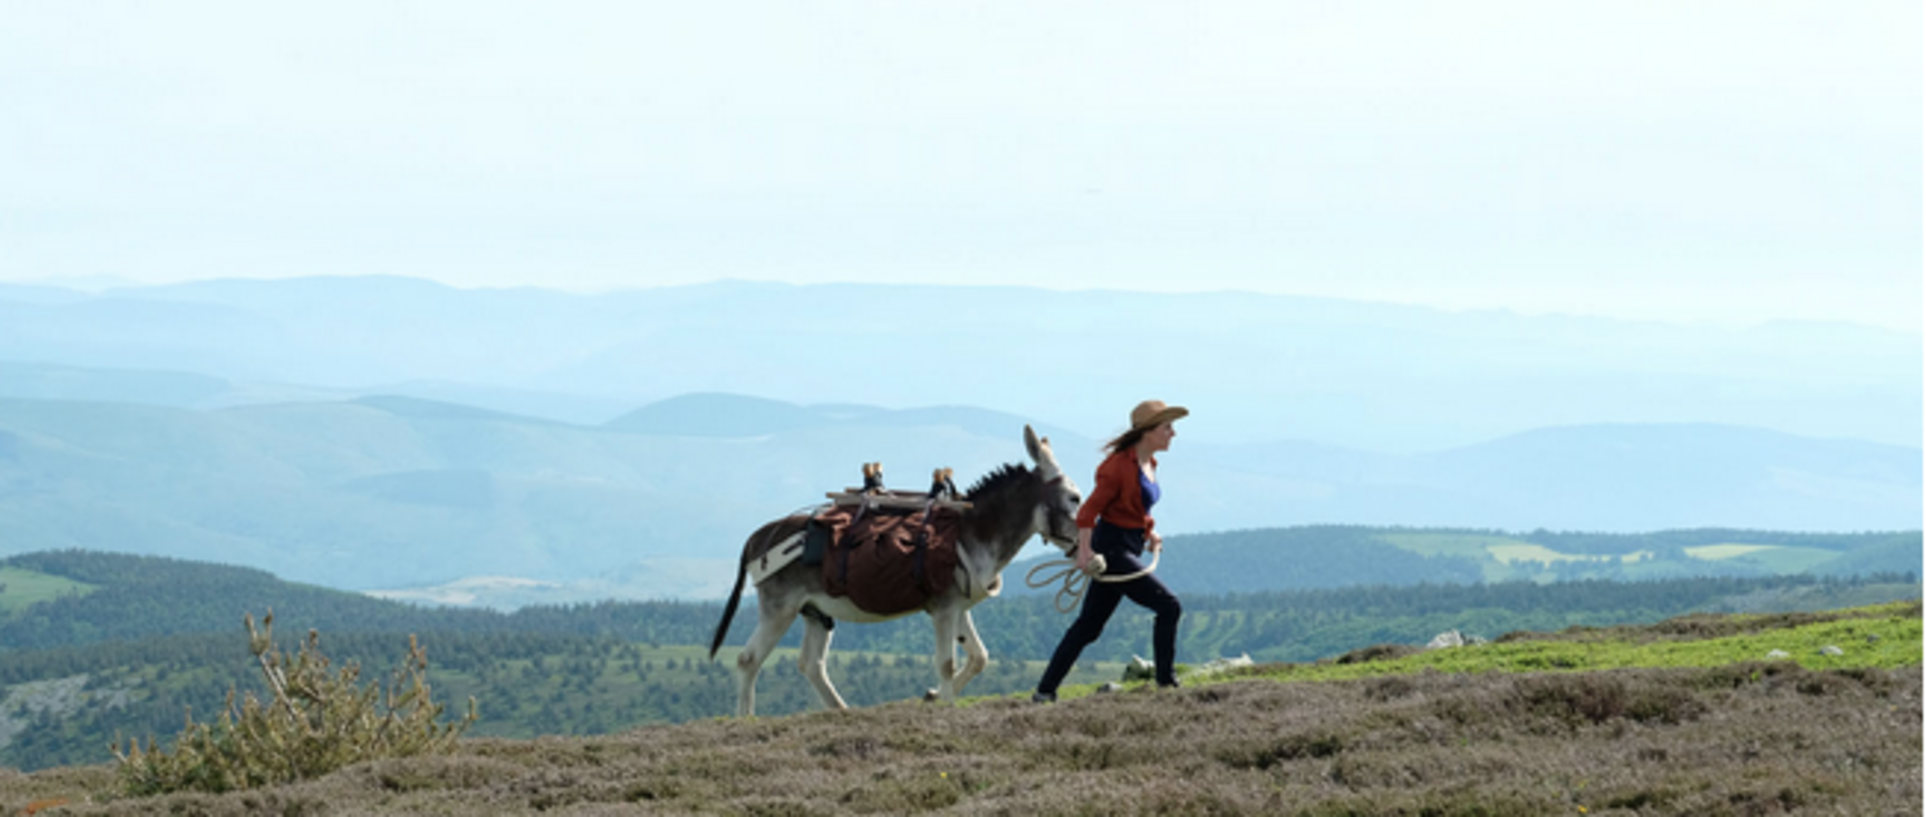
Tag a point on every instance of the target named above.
point(945, 621)
point(975, 656)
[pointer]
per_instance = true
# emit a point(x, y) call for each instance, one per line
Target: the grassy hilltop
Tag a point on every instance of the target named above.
point(1681, 717)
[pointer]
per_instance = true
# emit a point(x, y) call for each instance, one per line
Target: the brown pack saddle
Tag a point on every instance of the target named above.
point(887, 551)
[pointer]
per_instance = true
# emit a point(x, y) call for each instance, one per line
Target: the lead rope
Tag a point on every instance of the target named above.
point(1075, 581)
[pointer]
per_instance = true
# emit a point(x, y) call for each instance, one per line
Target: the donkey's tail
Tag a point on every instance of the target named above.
point(729, 611)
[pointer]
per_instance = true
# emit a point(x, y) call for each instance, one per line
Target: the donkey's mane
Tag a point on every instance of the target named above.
point(1003, 477)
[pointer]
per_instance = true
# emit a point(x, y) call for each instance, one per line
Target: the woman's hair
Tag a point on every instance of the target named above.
point(1127, 440)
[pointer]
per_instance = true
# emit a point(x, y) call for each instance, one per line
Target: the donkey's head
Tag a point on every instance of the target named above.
point(1056, 510)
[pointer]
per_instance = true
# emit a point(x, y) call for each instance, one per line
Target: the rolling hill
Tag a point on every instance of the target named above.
point(1379, 377)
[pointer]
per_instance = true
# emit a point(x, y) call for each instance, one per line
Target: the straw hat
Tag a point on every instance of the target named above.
point(1152, 413)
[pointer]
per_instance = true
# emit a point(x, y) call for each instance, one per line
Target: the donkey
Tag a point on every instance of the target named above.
point(1008, 506)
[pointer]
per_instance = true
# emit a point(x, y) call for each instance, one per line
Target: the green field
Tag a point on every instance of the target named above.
point(1776, 558)
point(1503, 558)
point(1509, 554)
point(1508, 558)
point(20, 588)
point(1473, 546)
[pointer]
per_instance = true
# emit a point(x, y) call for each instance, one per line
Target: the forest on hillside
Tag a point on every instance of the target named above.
point(134, 597)
point(1320, 556)
point(139, 598)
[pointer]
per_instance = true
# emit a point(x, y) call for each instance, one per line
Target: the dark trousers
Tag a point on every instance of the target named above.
point(1119, 548)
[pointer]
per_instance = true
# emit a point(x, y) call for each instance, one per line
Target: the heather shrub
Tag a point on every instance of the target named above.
point(1581, 698)
point(319, 718)
point(1377, 652)
point(1388, 688)
point(1283, 749)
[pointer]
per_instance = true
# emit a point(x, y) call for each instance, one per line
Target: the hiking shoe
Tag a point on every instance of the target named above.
point(1044, 698)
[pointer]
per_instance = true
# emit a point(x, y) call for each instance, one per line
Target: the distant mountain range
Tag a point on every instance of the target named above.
point(398, 492)
point(1256, 368)
point(395, 434)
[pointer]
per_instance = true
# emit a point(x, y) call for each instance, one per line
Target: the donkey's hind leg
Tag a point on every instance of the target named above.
point(813, 663)
point(773, 621)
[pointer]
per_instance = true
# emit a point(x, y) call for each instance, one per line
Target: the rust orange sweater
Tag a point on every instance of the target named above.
point(1117, 497)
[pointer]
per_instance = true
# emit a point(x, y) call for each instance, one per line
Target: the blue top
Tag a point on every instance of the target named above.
point(1151, 491)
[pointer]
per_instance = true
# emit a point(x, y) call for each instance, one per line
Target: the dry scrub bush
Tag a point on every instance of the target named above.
point(319, 720)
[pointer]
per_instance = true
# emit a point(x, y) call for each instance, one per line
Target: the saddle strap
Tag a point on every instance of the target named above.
point(842, 543)
point(920, 544)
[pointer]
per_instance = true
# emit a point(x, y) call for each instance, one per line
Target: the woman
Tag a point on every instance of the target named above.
point(1115, 522)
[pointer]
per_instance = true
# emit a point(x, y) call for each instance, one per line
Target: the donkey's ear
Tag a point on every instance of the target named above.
point(1038, 447)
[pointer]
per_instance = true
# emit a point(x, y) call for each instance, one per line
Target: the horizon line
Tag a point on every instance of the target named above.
point(99, 285)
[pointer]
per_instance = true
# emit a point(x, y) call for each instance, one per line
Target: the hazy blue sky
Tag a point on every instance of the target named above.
point(1700, 161)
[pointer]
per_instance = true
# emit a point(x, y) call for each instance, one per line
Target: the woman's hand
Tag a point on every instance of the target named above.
point(1084, 553)
point(1155, 540)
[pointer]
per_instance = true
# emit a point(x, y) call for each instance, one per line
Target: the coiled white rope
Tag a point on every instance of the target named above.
point(1075, 581)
